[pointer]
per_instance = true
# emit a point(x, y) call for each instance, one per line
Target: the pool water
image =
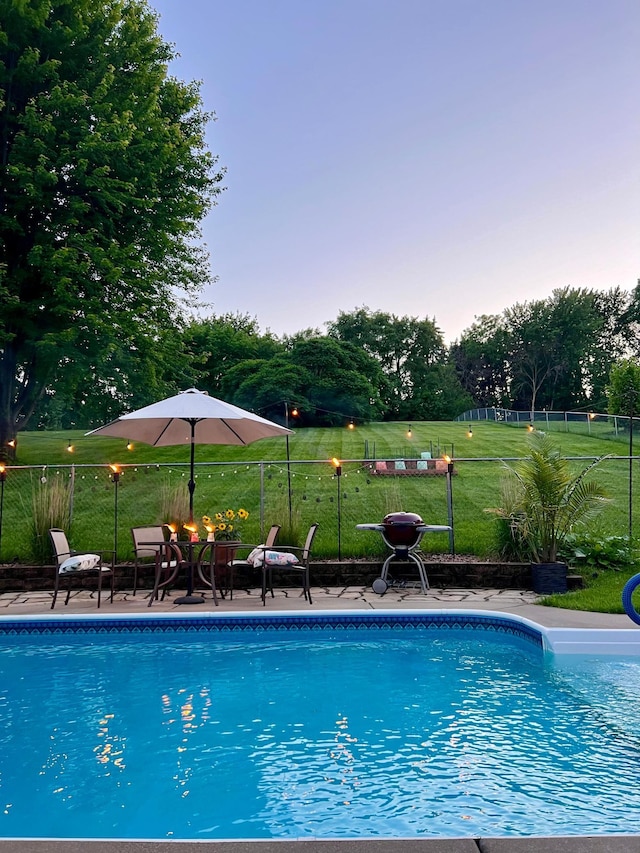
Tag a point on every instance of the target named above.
point(318, 734)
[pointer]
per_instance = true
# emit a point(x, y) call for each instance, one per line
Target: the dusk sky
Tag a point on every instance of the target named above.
point(434, 158)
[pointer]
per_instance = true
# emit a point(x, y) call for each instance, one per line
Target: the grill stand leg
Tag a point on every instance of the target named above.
point(404, 557)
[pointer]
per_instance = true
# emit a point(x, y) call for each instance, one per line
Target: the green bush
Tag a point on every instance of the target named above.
point(594, 551)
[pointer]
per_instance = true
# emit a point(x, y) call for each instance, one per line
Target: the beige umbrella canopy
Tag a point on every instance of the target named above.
point(191, 417)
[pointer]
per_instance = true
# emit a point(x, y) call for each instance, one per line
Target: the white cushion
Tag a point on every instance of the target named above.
point(256, 554)
point(279, 558)
point(79, 563)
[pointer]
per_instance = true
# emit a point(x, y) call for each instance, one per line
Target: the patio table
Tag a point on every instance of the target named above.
point(191, 555)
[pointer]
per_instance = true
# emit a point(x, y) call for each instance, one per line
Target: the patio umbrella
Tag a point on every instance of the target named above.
point(191, 417)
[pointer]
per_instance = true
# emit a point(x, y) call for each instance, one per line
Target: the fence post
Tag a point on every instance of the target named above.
point(262, 500)
point(71, 493)
point(452, 549)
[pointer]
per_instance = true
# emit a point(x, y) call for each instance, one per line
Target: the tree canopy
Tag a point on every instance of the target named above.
point(104, 178)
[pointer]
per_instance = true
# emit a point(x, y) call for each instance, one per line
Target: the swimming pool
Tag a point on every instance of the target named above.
point(336, 725)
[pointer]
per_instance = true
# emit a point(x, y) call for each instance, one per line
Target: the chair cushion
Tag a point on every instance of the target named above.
point(257, 553)
point(272, 558)
point(79, 563)
point(280, 558)
point(400, 465)
point(422, 465)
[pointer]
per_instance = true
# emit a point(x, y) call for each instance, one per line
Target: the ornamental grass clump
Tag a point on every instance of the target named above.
point(174, 505)
point(545, 501)
point(50, 507)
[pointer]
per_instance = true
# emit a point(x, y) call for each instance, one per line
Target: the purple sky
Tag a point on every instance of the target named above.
point(436, 158)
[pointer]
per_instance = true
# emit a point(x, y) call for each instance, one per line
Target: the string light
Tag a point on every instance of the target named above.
point(409, 433)
point(469, 432)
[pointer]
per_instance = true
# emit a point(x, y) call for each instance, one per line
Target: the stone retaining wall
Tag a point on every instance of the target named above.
point(17, 578)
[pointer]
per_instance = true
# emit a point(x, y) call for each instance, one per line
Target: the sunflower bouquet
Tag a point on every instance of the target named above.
point(225, 525)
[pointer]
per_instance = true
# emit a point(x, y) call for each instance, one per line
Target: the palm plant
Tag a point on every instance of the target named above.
point(548, 500)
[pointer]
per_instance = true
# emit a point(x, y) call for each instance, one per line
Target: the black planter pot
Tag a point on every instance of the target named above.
point(547, 578)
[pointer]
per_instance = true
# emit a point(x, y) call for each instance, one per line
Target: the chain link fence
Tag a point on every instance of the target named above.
point(295, 495)
point(597, 424)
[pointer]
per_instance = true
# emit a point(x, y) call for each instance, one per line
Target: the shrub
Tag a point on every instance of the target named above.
point(594, 551)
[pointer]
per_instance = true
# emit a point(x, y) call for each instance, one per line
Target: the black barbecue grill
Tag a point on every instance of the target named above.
point(402, 533)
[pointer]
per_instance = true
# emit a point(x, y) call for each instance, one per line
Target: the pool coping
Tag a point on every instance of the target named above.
point(534, 844)
point(557, 640)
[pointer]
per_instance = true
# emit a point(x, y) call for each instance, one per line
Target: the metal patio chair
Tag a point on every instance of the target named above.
point(272, 560)
point(70, 564)
point(149, 554)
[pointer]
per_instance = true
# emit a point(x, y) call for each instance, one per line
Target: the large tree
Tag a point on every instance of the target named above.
point(551, 342)
point(218, 343)
point(623, 389)
point(329, 381)
point(480, 359)
point(104, 178)
point(408, 350)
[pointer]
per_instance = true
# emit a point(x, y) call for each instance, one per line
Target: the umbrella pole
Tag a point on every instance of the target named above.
point(192, 481)
point(190, 598)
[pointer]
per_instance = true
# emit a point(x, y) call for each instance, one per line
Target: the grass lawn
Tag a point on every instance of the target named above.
point(232, 477)
point(602, 594)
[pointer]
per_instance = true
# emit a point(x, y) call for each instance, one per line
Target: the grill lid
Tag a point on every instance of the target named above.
point(411, 518)
point(400, 528)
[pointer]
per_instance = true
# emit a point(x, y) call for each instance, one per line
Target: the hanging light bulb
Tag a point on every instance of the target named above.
point(70, 448)
point(469, 432)
point(409, 433)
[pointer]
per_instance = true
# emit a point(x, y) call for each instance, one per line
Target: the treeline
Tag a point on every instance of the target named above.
point(554, 353)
